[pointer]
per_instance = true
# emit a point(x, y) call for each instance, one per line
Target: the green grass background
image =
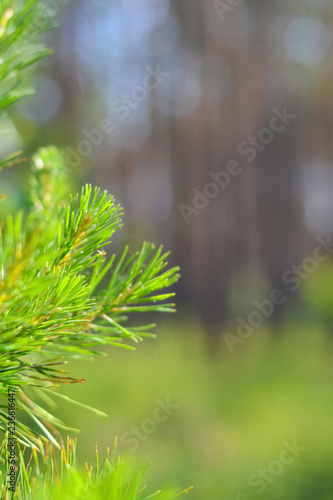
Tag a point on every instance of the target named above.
point(234, 411)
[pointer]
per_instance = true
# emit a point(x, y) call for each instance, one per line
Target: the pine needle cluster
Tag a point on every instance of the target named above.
point(42, 476)
point(61, 297)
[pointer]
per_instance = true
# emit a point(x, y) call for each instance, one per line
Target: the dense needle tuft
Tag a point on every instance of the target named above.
point(61, 296)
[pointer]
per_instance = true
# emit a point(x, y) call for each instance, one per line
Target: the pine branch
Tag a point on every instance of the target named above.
point(20, 48)
point(53, 261)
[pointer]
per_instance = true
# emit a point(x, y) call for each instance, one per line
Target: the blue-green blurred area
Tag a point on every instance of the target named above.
point(238, 406)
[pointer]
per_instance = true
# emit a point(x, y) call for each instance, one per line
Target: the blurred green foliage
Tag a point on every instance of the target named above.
point(44, 476)
point(234, 413)
point(318, 292)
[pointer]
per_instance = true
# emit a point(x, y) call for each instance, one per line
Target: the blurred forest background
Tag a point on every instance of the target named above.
point(223, 73)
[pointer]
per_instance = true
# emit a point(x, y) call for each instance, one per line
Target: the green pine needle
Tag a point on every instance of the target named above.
point(52, 305)
point(61, 298)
